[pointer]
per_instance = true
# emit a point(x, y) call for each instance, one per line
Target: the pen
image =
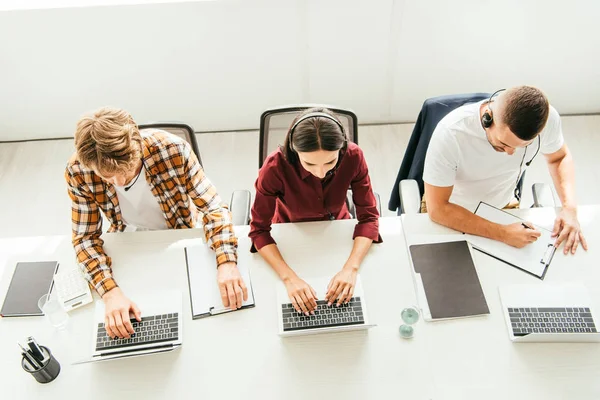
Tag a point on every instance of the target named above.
point(27, 363)
point(30, 358)
point(35, 349)
point(526, 226)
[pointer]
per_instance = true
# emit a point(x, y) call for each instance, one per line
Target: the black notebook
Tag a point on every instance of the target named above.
point(30, 281)
point(449, 279)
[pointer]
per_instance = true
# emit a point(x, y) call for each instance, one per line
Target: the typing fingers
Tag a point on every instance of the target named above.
point(119, 327)
point(303, 302)
point(331, 292)
point(338, 292)
point(136, 311)
point(127, 322)
point(109, 323)
point(295, 304)
point(344, 294)
point(312, 302)
point(349, 293)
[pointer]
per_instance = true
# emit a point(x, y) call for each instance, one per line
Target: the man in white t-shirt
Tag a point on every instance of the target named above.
point(150, 180)
point(479, 151)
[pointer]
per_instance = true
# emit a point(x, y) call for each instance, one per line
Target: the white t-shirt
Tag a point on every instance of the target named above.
point(139, 207)
point(460, 155)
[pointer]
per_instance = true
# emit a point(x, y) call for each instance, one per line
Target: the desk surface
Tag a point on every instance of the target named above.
point(239, 355)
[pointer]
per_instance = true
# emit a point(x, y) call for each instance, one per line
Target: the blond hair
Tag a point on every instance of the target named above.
point(108, 141)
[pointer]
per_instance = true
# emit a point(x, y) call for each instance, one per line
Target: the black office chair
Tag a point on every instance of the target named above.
point(184, 131)
point(409, 188)
point(275, 122)
point(240, 199)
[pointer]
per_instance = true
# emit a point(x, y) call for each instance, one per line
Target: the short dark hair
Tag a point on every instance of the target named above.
point(525, 111)
point(313, 134)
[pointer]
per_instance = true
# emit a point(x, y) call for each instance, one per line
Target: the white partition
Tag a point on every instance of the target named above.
point(218, 64)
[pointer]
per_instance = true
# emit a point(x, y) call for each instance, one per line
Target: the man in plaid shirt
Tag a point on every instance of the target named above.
point(150, 180)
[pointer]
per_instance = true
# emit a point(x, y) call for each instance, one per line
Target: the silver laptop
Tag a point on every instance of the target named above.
point(549, 313)
point(348, 317)
point(159, 331)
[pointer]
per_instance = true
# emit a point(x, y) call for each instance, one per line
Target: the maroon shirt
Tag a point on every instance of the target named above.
point(289, 193)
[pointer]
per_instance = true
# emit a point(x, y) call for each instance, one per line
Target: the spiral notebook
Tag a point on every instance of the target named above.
point(534, 259)
point(202, 278)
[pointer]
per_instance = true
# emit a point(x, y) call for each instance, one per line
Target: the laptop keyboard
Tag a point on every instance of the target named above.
point(325, 316)
point(152, 329)
point(551, 320)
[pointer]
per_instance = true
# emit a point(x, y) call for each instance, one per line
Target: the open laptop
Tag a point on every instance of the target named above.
point(348, 317)
point(159, 331)
point(549, 313)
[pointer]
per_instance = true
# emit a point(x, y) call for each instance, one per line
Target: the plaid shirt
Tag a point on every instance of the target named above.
point(176, 180)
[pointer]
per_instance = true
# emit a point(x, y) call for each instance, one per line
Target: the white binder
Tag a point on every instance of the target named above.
point(202, 278)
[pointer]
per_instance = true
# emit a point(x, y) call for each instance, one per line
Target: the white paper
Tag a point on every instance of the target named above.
point(528, 258)
point(204, 290)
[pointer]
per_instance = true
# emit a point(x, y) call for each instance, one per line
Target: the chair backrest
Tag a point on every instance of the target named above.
point(184, 131)
point(275, 122)
point(413, 162)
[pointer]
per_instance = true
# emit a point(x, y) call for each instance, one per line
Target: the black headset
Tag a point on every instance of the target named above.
point(488, 119)
point(315, 115)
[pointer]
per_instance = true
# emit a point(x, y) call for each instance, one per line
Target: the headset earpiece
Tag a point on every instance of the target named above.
point(487, 120)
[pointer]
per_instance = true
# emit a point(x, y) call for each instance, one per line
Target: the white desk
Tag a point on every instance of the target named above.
point(473, 357)
point(239, 355)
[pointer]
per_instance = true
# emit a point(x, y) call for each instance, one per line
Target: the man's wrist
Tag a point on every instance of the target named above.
point(499, 233)
point(227, 263)
point(112, 292)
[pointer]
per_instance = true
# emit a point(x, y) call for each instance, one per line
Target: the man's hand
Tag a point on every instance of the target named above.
point(519, 236)
point(231, 285)
point(116, 313)
point(567, 229)
point(341, 286)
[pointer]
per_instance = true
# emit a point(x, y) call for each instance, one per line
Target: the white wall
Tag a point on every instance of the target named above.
point(217, 65)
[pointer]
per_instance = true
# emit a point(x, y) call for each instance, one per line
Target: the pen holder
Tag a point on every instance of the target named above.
point(49, 370)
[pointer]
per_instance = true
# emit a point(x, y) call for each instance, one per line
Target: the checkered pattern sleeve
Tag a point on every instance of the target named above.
point(86, 231)
point(218, 226)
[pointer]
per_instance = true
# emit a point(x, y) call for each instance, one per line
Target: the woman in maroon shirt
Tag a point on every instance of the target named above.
point(307, 180)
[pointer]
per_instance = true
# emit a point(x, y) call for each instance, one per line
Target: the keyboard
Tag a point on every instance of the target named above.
point(72, 289)
point(551, 320)
point(152, 329)
point(325, 316)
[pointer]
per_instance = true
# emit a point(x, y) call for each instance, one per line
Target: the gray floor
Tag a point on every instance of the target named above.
point(34, 200)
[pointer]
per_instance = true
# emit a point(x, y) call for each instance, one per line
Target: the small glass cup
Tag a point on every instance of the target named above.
point(410, 316)
point(54, 311)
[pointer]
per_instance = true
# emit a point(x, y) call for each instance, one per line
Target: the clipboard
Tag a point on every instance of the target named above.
point(533, 259)
point(205, 298)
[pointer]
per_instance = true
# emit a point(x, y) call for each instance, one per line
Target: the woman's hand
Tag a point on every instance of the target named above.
point(341, 287)
point(303, 297)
